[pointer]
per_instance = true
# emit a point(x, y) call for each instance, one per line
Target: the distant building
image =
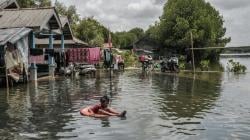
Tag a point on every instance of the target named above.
point(146, 46)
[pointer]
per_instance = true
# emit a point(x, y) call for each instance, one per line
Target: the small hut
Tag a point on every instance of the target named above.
point(14, 46)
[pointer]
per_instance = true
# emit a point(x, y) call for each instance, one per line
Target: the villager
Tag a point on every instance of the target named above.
point(102, 109)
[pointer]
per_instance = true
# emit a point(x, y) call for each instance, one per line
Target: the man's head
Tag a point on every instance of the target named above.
point(104, 101)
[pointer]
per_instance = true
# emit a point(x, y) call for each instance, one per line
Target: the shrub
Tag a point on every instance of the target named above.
point(204, 64)
point(129, 59)
point(182, 66)
point(235, 67)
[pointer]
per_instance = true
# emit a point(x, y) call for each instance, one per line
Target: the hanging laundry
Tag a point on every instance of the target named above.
point(39, 59)
point(94, 55)
point(36, 52)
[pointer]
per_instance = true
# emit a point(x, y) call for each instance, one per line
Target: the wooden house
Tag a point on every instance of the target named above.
point(44, 23)
point(69, 40)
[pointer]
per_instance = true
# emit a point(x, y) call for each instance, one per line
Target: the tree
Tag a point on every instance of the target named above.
point(125, 39)
point(32, 3)
point(90, 31)
point(181, 17)
point(139, 32)
point(70, 12)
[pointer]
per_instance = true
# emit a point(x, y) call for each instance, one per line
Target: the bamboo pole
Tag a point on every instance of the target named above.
point(192, 46)
point(7, 78)
point(6, 70)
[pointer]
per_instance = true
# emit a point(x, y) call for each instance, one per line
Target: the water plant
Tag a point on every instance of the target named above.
point(235, 67)
point(182, 66)
point(204, 64)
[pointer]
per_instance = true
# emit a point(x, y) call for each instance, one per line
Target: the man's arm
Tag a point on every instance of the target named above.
point(107, 113)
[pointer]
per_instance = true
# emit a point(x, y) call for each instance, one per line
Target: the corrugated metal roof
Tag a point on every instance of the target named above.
point(66, 27)
point(33, 18)
point(6, 3)
point(12, 35)
point(64, 20)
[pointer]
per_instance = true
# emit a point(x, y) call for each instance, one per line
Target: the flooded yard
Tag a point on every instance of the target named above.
point(159, 106)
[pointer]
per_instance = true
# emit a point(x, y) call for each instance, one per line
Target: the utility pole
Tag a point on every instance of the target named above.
point(192, 48)
point(111, 60)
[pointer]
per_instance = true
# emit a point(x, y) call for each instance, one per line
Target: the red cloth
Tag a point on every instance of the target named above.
point(93, 55)
point(36, 59)
point(89, 55)
point(142, 58)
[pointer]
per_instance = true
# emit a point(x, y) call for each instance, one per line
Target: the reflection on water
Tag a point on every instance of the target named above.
point(187, 99)
point(160, 106)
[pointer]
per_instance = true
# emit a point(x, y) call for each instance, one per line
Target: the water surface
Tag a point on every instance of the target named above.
point(160, 106)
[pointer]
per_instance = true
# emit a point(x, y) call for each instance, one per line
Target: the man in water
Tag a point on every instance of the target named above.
point(102, 110)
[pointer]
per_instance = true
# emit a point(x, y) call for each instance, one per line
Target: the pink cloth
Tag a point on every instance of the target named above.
point(89, 55)
point(94, 55)
point(36, 59)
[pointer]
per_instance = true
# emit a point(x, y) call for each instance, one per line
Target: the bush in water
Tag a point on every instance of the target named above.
point(204, 64)
point(235, 67)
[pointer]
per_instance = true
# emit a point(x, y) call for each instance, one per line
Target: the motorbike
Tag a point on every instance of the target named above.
point(67, 71)
point(86, 69)
point(170, 64)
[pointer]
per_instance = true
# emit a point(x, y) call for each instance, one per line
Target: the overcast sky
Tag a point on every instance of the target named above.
point(121, 15)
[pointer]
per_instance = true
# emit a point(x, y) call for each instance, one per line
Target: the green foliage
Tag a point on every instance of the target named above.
point(70, 12)
point(236, 67)
point(91, 31)
point(31, 3)
point(182, 62)
point(180, 18)
point(204, 64)
point(125, 39)
point(182, 65)
point(130, 59)
point(182, 58)
point(87, 29)
point(138, 32)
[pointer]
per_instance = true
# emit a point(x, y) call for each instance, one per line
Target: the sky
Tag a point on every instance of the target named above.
point(119, 15)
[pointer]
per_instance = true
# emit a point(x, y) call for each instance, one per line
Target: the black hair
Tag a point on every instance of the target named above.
point(104, 98)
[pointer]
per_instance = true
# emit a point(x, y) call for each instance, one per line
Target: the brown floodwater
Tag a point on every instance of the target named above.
point(160, 106)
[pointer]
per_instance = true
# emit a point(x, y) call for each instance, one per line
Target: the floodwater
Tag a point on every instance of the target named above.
point(160, 106)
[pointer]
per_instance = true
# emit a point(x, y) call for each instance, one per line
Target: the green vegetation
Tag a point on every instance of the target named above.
point(91, 31)
point(130, 59)
point(182, 62)
point(180, 18)
point(236, 67)
point(32, 3)
point(125, 39)
point(204, 65)
point(173, 31)
point(87, 29)
point(69, 12)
